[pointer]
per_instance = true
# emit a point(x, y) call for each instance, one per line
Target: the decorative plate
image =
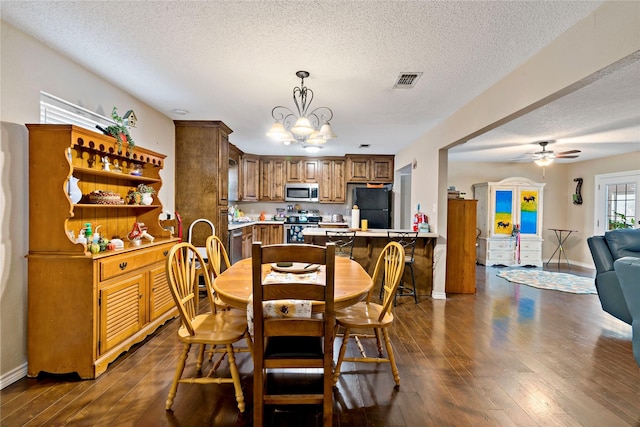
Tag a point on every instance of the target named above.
point(294, 267)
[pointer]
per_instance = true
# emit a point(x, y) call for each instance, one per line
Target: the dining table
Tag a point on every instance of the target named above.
point(352, 283)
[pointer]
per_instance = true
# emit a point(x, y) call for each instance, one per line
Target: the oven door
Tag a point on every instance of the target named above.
point(293, 232)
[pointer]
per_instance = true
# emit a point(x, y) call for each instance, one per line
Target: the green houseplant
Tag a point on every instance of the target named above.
point(141, 195)
point(118, 130)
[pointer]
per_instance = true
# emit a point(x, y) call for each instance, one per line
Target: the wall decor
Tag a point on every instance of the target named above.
point(577, 197)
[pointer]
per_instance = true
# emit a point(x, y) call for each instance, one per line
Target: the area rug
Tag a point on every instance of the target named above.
point(549, 280)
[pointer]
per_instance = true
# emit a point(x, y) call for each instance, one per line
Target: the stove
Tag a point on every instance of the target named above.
point(298, 221)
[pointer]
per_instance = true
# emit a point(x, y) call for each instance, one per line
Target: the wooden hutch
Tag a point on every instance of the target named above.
point(86, 309)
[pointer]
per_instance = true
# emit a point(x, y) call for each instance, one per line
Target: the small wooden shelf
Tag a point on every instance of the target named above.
point(116, 175)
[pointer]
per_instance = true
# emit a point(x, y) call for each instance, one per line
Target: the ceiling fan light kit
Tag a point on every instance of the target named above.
point(545, 157)
point(312, 129)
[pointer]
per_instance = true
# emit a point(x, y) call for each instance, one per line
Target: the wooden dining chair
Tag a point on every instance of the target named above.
point(284, 342)
point(368, 315)
point(217, 328)
point(408, 240)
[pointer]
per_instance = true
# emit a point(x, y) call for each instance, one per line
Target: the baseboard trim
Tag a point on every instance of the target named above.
point(14, 375)
point(438, 295)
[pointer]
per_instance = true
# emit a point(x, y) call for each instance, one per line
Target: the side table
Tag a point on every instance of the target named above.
point(561, 240)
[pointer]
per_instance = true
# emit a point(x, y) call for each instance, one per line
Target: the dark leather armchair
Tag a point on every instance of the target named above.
point(606, 250)
point(628, 271)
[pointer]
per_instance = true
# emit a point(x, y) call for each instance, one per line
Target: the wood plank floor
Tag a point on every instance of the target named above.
point(509, 355)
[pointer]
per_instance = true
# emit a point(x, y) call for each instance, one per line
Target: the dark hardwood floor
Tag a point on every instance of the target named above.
point(508, 355)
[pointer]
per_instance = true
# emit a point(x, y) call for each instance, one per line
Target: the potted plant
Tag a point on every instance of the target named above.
point(118, 130)
point(142, 195)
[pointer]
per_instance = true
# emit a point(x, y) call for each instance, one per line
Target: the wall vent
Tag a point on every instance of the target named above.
point(364, 146)
point(407, 80)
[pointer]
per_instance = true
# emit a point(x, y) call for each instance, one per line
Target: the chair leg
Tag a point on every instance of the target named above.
point(176, 377)
point(392, 359)
point(413, 282)
point(235, 375)
point(343, 348)
point(258, 396)
point(378, 341)
point(200, 357)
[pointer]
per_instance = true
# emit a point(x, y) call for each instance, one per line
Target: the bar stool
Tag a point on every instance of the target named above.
point(408, 241)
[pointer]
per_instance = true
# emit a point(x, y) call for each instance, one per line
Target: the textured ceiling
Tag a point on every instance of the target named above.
point(235, 60)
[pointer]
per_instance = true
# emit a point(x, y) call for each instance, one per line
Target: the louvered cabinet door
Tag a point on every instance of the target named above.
point(160, 299)
point(122, 310)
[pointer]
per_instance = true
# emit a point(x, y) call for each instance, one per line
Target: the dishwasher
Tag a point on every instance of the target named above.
point(235, 245)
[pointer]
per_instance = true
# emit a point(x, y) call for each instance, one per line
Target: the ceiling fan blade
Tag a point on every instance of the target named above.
point(566, 157)
point(569, 152)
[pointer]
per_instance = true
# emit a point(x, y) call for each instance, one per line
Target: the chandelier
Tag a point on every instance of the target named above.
point(309, 128)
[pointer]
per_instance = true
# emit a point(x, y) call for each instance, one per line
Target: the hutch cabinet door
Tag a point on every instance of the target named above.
point(122, 310)
point(160, 299)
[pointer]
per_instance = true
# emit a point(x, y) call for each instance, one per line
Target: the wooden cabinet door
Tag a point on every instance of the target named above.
point(247, 240)
point(277, 188)
point(250, 178)
point(332, 181)
point(382, 169)
point(310, 171)
point(294, 171)
point(160, 299)
point(358, 169)
point(122, 310)
point(261, 234)
point(272, 176)
point(276, 234)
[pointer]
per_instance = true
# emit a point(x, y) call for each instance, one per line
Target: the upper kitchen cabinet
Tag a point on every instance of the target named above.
point(249, 178)
point(332, 185)
point(372, 168)
point(272, 176)
point(302, 170)
point(202, 173)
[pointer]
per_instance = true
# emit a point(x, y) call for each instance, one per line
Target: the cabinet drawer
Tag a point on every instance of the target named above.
point(500, 255)
point(530, 256)
point(130, 261)
point(530, 246)
point(501, 244)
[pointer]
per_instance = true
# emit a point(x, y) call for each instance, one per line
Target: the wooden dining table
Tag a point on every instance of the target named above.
point(352, 283)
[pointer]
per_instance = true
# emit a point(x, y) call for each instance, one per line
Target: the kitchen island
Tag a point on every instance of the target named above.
point(369, 244)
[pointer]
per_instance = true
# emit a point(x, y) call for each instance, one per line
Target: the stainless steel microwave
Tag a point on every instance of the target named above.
point(307, 192)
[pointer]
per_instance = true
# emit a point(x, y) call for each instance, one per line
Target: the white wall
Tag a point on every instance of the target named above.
point(606, 36)
point(559, 210)
point(29, 67)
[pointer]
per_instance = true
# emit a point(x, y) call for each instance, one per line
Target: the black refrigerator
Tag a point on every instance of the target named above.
point(374, 205)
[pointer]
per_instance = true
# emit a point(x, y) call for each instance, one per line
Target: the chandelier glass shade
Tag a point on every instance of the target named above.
point(310, 128)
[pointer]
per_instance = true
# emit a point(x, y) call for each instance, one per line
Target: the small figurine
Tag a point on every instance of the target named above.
point(106, 166)
point(116, 166)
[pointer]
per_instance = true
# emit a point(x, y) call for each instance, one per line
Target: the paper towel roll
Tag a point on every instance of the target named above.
point(355, 218)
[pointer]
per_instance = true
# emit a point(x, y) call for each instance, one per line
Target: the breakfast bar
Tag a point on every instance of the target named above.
point(369, 244)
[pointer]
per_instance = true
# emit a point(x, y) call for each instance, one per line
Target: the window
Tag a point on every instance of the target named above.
point(54, 110)
point(616, 201)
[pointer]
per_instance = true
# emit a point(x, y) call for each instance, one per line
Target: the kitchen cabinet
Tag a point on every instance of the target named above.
point(85, 309)
point(332, 181)
point(461, 246)
point(268, 234)
point(247, 240)
point(302, 170)
point(250, 177)
point(506, 209)
point(202, 168)
point(369, 169)
point(272, 177)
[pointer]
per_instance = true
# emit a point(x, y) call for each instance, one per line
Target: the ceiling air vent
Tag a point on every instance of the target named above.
point(406, 80)
point(364, 146)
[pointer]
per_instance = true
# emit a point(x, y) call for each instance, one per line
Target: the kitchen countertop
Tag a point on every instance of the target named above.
point(242, 224)
point(372, 232)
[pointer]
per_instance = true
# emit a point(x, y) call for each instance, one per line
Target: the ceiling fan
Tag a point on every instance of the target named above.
point(545, 157)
